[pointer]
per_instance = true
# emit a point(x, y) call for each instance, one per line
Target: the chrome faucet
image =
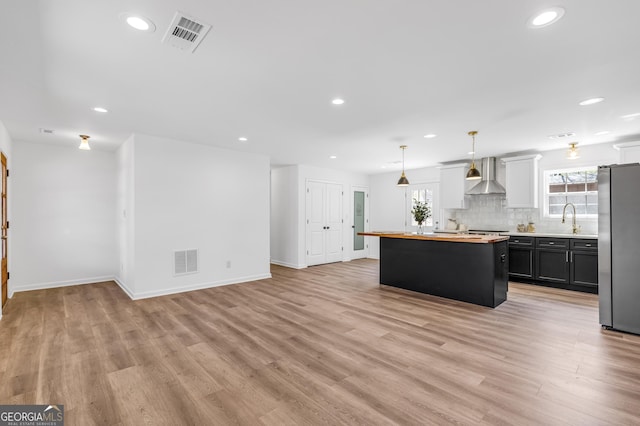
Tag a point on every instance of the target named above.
point(573, 219)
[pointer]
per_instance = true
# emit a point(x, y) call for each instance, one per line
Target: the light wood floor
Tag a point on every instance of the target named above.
point(325, 345)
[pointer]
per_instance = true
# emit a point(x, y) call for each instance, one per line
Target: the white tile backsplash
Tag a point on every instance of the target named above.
point(490, 212)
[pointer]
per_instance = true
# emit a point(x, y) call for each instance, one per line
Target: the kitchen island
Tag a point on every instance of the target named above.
point(469, 268)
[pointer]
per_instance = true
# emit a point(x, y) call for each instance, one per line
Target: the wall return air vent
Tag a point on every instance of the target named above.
point(185, 261)
point(185, 32)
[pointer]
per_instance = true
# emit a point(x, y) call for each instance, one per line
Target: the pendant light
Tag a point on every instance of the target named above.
point(84, 143)
point(403, 181)
point(473, 173)
point(573, 153)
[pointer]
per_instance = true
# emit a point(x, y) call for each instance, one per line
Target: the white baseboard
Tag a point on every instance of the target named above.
point(55, 284)
point(124, 287)
point(373, 257)
point(201, 286)
point(132, 294)
point(287, 264)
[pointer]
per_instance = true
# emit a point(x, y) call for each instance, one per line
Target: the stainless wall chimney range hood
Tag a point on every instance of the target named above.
point(488, 184)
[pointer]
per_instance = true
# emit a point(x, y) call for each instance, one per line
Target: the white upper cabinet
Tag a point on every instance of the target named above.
point(629, 152)
point(522, 181)
point(452, 186)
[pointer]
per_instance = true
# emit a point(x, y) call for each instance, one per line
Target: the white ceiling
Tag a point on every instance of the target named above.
point(268, 70)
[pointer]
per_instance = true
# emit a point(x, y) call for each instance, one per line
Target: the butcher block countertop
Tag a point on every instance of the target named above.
point(456, 238)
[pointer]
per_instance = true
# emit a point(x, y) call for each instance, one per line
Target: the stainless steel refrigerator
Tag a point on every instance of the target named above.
point(619, 246)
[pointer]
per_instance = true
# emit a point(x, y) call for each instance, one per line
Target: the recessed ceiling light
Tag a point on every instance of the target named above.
point(333, 157)
point(138, 22)
point(46, 131)
point(337, 101)
point(590, 101)
point(430, 135)
point(242, 139)
point(471, 152)
point(546, 17)
point(631, 116)
point(562, 135)
point(602, 133)
point(100, 109)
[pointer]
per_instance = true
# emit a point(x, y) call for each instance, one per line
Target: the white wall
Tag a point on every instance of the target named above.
point(387, 201)
point(590, 155)
point(284, 217)
point(388, 208)
point(190, 196)
point(63, 224)
point(288, 206)
point(348, 180)
point(125, 216)
point(5, 148)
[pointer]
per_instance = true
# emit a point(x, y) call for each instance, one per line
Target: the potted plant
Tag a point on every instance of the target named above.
point(421, 212)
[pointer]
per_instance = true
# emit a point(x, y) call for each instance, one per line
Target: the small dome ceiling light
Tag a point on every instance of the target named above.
point(573, 153)
point(84, 143)
point(337, 101)
point(100, 109)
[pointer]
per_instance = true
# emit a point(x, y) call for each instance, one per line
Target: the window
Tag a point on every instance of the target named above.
point(423, 195)
point(576, 186)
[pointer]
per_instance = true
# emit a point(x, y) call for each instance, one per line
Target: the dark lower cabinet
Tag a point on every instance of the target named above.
point(521, 257)
point(552, 265)
point(584, 263)
point(520, 262)
point(570, 263)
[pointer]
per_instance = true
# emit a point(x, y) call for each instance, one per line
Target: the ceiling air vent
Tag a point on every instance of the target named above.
point(185, 32)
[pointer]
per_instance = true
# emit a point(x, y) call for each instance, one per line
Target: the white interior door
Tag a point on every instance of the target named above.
point(360, 218)
point(333, 233)
point(315, 223)
point(324, 222)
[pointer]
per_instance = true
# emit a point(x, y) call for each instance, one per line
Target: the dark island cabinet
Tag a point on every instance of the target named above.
point(521, 257)
point(570, 263)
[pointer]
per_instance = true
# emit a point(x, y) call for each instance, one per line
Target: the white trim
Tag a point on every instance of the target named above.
point(453, 166)
point(521, 157)
point(133, 295)
point(544, 214)
point(625, 145)
point(56, 284)
point(287, 264)
point(201, 286)
point(124, 288)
